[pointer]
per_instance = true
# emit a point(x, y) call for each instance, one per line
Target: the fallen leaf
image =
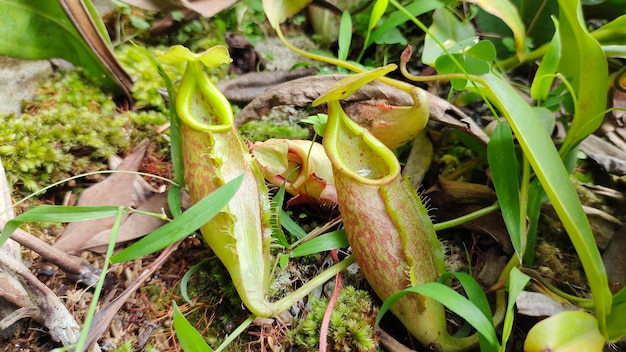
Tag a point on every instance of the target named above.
point(247, 87)
point(607, 155)
point(301, 92)
point(537, 304)
point(117, 189)
point(136, 225)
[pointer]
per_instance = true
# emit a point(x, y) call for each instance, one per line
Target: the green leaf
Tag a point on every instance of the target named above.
point(331, 240)
point(57, 214)
point(380, 6)
point(448, 29)
point(277, 11)
point(546, 162)
point(568, 331)
point(507, 12)
point(581, 58)
point(397, 18)
point(516, 283)
point(544, 76)
point(188, 222)
point(36, 30)
point(453, 301)
point(185, 279)
point(189, 338)
point(291, 226)
point(504, 170)
point(345, 36)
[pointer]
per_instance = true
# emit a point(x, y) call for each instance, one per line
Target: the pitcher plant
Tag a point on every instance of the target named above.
point(213, 154)
point(387, 225)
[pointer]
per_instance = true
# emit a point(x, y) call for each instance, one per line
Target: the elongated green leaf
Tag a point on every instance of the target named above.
point(549, 63)
point(185, 279)
point(56, 214)
point(505, 173)
point(453, 301)
point(476, 295)
point(189, 338)
point(581, 58)
point(183, 225)
point(345, 36)
point(507, 12)
point(516, 283)
point(551, 172)
point(331, 240)
point(35, 30)
point(291, 226)
point(380, 6)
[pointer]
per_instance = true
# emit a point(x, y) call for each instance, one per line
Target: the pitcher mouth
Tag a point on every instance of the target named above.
point(355, 152)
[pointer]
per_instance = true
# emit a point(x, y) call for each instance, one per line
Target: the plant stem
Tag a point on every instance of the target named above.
point(465, 218)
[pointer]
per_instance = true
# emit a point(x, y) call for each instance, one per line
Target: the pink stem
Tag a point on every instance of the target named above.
point(330, 307)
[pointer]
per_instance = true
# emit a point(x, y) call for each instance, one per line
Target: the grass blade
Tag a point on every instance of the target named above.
point(183, 225)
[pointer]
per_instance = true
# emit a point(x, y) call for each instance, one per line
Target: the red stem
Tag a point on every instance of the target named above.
point(331, 306)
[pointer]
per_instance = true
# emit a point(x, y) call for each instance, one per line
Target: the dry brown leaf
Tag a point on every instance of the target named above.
point(117, 190)
point(537, 304)
point(82, 21)
point(607, 155)
point(303, 91)
point(206, 8)
point(136, 225)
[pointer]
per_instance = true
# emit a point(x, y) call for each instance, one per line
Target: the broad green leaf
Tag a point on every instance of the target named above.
point(189, 338)
point(547, 164)
point(516, 283)
point(505, 173)
point(569, 331)
point(35, 30)
point(182, 226)
point(581, 58)
point(277, 11)
point(57, 214)
point(345, 36)
point(544, 76)
point(449, 30)
point(507, 12)
point(453, 301)
point(331, 240)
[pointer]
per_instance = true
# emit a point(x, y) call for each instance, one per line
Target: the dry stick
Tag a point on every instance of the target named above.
point(55, 316)
point(102, 319)
point(75, 268)
point(391, 344)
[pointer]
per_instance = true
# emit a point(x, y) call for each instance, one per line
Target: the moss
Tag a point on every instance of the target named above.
point(261, 130)
point(147, 81)
point(69, 127)
point(351, 324)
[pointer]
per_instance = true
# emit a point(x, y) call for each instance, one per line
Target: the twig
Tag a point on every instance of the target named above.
point(391, 344)
point(75, 268)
